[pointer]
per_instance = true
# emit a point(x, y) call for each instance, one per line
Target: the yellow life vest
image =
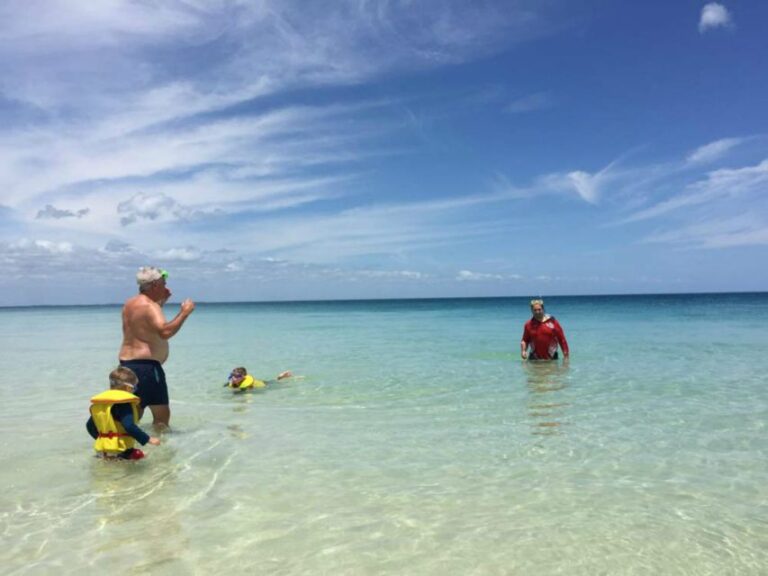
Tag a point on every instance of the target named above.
point(248, 382)
point(113, 438)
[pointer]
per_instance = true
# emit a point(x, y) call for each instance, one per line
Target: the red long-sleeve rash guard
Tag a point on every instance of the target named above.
point(544, 337)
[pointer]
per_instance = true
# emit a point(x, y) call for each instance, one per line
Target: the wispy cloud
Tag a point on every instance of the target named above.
point(469, 276)
point(714, 15)
point(587, 186)
point(393, 274)
point(733, 182)
point(149, 113)
point(714, 150)
point(276, 143)
point(149, 207)
point(735, 189)
point(46, 247)
point(188, 254)
point(65, 262)
point(739, 230)
point(170, 60)
point(266, 139)
point(721, 208)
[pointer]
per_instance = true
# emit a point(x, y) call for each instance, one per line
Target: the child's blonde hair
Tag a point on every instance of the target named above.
point(121, 376)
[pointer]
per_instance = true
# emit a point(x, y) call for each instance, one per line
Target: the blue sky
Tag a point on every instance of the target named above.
point(279, 150)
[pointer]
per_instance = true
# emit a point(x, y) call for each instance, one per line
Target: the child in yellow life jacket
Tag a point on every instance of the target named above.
point(239, 380)
point(114, 414)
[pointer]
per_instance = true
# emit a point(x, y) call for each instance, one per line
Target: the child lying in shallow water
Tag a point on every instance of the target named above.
point(239, 380)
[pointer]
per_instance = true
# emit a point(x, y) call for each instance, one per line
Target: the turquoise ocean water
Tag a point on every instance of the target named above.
point(414, 441)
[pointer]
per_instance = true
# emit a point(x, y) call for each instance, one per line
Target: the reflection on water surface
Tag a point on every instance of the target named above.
point(547, 382)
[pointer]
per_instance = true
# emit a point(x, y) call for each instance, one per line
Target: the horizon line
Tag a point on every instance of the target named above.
point(403, 299)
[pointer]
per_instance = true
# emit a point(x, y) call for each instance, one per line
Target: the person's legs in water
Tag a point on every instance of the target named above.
point(152, 389)
point(161, 416)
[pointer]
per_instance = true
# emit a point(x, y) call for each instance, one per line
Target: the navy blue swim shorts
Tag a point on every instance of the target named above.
point(152, 388)
point(532, 356)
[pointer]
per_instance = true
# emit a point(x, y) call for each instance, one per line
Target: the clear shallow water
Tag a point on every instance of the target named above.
point(414, 442)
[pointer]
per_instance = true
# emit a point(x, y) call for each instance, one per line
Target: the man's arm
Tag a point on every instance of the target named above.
point(167, 330)
point(524, 343)
point(561, 338)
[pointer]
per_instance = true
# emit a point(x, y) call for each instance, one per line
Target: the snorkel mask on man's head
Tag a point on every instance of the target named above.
point(149, 274)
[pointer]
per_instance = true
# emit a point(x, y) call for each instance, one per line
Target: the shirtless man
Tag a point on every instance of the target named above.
point(145, 340)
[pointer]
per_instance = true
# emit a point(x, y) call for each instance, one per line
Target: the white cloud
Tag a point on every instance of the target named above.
point(64, 261)
point(55, 213)
point(142, 52)
point(41, 246)
point(123, 101)
point(179, 254)
point(393, 274)
point(193, 113)
point(151, 113)
point(274, 144)
point(729, 232)
point(467, 275)
point(719, 209)
point(149, 207)
point(732, 182)
point(118, 247)
point(588, 186)
point(714, 15)
point(730, 188)
point(666, 206)
point(713, 151)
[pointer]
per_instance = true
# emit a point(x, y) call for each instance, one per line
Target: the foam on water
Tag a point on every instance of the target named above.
point(415, 442)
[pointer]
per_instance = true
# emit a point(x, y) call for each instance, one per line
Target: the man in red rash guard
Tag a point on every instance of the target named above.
point(542, 334)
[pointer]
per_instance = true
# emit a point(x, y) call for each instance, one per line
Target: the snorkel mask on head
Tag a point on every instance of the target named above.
point(238, 374)
point(149, 274)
